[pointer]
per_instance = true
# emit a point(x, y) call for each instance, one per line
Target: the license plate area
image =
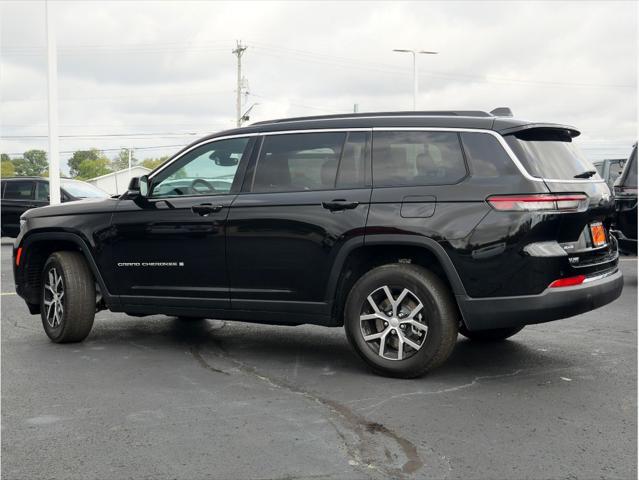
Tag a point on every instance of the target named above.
point(598, 234)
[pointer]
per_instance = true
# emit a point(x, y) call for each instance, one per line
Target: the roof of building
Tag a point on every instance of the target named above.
point(124, 170)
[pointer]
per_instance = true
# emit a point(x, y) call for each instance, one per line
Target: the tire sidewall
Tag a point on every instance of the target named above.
point(434, 311)
point(54, 333)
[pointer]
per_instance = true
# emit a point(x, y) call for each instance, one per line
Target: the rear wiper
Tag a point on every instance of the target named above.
point(586, 174)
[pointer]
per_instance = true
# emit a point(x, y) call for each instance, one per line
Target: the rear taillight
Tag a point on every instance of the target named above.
point(18, 256)
point(543, 202)
point(568, 282)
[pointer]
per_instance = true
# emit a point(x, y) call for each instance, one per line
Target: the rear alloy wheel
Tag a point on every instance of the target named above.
point(401, 320)
point(492, 335)
point(68, 297)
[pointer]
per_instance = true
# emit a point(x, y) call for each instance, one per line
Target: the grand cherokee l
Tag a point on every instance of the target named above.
point(406, 228)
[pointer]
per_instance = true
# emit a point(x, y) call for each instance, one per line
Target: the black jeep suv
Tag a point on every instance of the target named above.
point(406, 228)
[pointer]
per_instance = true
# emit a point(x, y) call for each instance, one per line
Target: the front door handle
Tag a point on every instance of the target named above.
point(205, 209)
point(339, 204)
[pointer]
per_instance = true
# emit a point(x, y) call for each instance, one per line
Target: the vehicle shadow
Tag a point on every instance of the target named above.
point(312, 348)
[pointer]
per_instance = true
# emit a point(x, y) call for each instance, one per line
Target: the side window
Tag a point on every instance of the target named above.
point(417, 158)
point(298, 162)
point(42, 191)
point(486, 156)
point(19, 190)
point(352, 168)
point(207, 170)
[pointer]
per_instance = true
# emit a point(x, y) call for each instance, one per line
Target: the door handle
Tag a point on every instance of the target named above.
point(205, 209)
point(339, 204)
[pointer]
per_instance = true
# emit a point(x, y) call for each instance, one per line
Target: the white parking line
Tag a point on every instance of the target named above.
point(8, 293)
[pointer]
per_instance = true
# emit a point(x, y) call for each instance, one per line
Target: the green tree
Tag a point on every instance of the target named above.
point(32, 163)
point(80, 156)
point(93, 168)
point(153, 163)
point(8, 170)
point(121, 160)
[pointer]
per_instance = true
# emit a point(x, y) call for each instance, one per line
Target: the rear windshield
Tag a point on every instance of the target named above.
point(83, 190)
point(551, 153)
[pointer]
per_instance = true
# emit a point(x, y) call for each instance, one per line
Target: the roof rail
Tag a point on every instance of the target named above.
point(434, 113)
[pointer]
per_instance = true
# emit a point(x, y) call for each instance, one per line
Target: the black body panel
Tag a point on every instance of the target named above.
point(280, 257)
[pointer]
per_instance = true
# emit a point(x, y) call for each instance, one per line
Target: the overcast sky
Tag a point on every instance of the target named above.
point(167, 68)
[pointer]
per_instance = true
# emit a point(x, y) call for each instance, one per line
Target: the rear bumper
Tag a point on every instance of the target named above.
point(552, 304)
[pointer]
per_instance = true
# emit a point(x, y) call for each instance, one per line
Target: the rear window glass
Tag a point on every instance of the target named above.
point(42, 191)
point(298, 162)
point(417, 158)
point(550, 153)
point(20, 190)
point(486, 156)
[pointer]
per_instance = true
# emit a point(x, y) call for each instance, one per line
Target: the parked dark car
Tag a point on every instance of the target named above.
point(625, 191)
point(19, 194)
point(610, 169)
point(405, 228)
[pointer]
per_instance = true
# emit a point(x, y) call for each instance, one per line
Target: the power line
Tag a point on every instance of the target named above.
point(116, 135)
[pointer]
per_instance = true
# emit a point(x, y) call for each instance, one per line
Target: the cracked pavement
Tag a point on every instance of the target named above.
point(159, 398)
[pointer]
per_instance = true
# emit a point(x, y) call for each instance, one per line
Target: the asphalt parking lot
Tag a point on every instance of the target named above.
point(160, 398)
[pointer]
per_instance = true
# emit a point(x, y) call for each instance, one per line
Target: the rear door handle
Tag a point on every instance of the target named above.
point(339, 204)
point(205, 209)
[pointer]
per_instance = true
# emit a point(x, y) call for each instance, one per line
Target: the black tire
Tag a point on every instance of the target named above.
point(78, 300)
point(190, 319)
point(439, 313)
point(493, 335)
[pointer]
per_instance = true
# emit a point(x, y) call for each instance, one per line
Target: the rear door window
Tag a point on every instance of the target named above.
point(550, 153)
point(19, 190)
point(299, 162)
point(404, 158)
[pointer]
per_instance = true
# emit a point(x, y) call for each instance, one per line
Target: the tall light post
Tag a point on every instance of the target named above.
point(52, 100)
point(415, 76)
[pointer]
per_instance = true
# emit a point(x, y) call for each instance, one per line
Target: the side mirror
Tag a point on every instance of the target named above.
point(138, 187)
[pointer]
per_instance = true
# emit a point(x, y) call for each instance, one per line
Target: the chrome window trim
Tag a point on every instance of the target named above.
point(495, 134)
point(502, 142)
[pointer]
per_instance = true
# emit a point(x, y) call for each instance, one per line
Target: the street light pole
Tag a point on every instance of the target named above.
point(415, 74)
point(52, 95)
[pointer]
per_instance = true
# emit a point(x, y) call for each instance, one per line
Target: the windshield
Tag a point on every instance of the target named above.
point(83, 190)
point(551, 153)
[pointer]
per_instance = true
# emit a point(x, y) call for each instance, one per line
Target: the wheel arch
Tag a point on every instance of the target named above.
point(38, 246)
point(358, 257)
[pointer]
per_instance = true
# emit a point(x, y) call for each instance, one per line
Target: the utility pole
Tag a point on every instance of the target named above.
point(52, 89)
point(415, 75)
point(238, 52)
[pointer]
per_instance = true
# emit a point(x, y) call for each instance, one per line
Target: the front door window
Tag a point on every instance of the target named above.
point(207, 170)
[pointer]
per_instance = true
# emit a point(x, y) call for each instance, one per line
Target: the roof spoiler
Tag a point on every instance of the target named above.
point(502, 112)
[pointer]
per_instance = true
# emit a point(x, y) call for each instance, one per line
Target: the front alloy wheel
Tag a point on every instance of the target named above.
point(53, 298)
point(68, 297)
